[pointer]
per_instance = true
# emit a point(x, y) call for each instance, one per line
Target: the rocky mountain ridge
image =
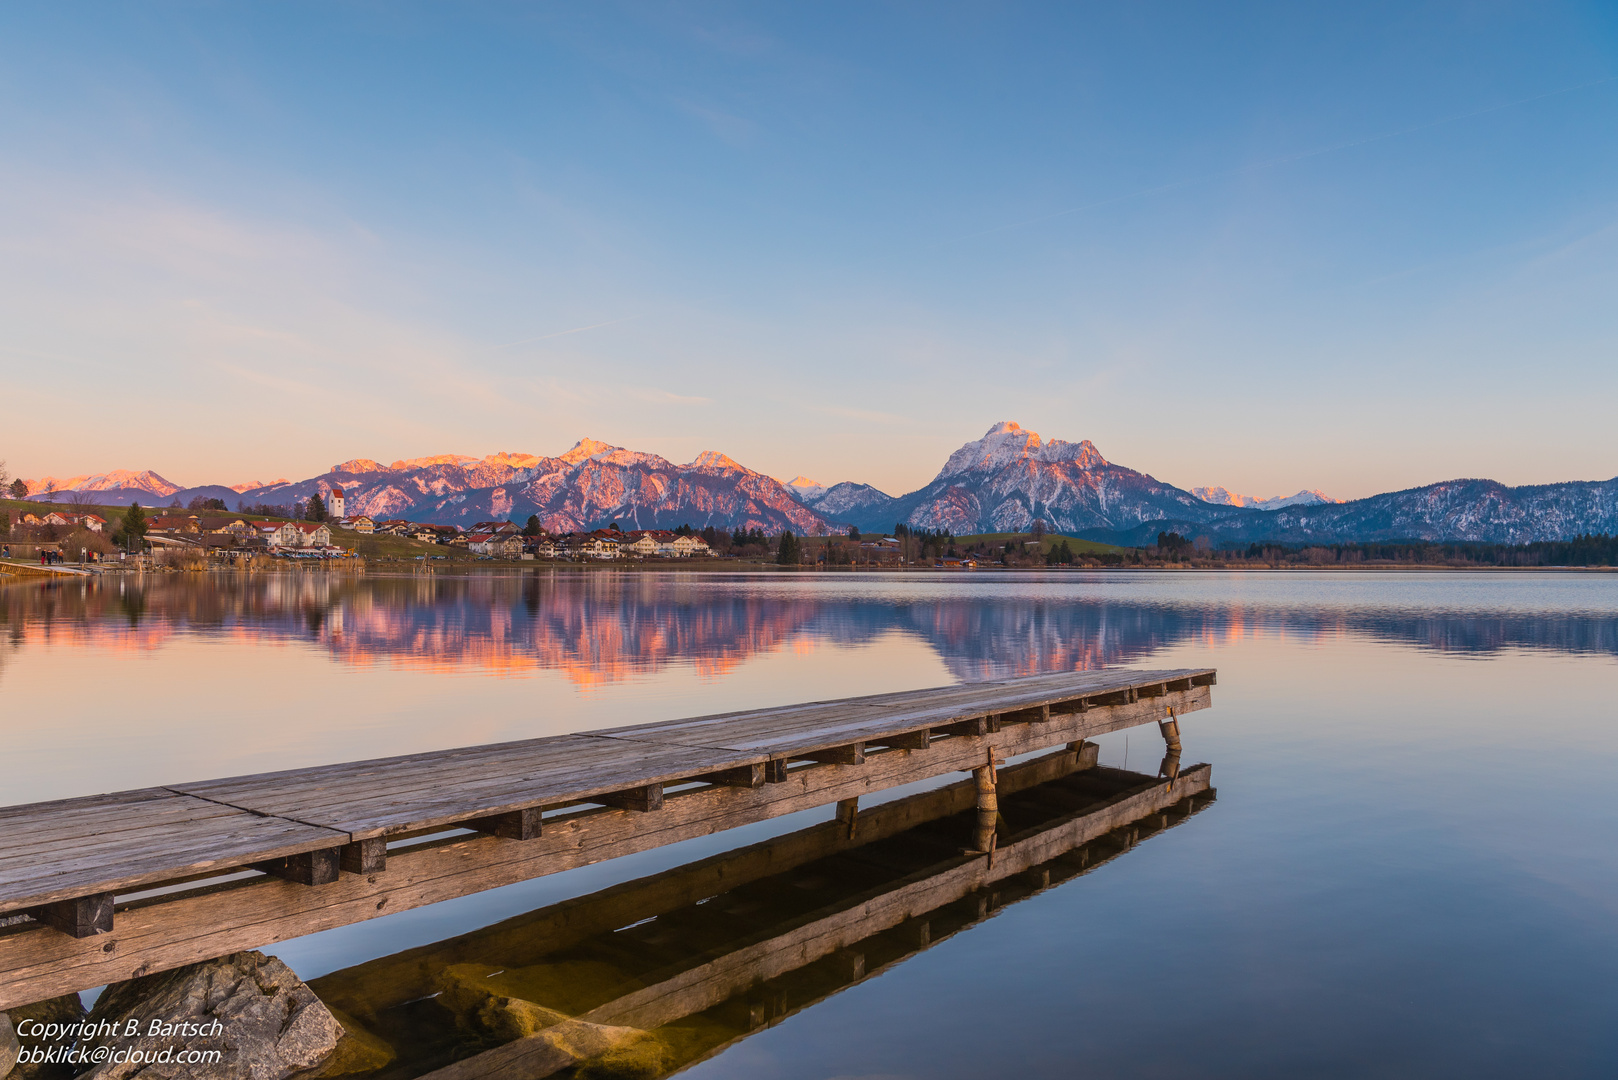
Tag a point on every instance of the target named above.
point(1010, 478)
point(1002, 482)
point(1220, 496)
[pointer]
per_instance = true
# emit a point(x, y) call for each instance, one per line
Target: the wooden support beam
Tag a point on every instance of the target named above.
point(1210, 678)
point(82, 917)
point(748, 776)
point(909, 740)
point(644, 799)
point(522, 824)
point(775, 771)
point(848, 814)
point(978, 725)
point(365, 856)
point(310, 868)
point(852, 754)
point(1039, 714)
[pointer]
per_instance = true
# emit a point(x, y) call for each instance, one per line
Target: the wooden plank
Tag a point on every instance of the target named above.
point(155, 936)
point(72, 848)
point(823, 724)
point(391, 796)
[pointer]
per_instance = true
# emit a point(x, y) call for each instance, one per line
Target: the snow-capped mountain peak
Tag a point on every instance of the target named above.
point(1220, 496)
point(713, 459)
point(805, 488)
point(585, 449)
point(1008, 442)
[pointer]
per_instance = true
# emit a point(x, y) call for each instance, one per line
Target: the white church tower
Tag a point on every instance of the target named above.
point(334, 504)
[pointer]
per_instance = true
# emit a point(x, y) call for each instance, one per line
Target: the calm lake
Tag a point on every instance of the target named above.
point(1411, 867)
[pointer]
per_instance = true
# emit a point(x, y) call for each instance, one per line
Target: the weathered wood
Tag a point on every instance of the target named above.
point(365, 856)
point(641, 799)
point(747, 776)
point(907, 740)
point(524, 824)
point(81, 917)
point(307, 868)
point(852, 754)
point(120, 843)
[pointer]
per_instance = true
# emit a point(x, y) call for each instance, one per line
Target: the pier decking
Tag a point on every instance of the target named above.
point(103, 880)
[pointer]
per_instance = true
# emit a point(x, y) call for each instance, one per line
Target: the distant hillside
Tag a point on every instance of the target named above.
point(1475, 510)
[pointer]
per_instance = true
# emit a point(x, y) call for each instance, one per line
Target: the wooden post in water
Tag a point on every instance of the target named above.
point(1170, 727)
point(988, 806)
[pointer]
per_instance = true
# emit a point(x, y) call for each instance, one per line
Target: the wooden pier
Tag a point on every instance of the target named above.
point(734, 943)
point(120, 885)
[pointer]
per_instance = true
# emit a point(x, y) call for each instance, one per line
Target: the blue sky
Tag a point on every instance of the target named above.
point(1353, 247)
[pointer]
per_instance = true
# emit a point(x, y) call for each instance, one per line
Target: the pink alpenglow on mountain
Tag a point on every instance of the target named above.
point(1010, 478)
point(1224, 497)
point(590, 485)
point(144, 480)
point(805, 488)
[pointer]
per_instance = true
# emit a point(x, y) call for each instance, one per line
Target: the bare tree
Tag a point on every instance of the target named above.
point(5, 477)
point(81, 500)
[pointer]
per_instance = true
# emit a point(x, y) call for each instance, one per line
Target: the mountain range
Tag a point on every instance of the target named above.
point(1003, 482)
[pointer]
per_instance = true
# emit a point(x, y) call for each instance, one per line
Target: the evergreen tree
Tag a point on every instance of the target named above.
point(134, 526)
point(854, 533)
point(315, 508)
point(787, 551)
point(19, 490)
point(533, 528)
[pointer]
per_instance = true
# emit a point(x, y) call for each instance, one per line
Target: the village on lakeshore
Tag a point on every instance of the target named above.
point(320, 530)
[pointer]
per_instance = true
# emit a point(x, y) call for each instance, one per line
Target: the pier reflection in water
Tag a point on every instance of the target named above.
point(656, 973)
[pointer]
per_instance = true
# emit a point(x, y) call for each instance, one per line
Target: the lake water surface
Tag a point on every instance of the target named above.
point(1411, 867)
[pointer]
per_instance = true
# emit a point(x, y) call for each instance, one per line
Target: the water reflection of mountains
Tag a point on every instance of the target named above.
point(599, 627)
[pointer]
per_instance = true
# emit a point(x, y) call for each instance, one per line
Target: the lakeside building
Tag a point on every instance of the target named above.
point(93, 522)
point(362, 525)
point(495, 545)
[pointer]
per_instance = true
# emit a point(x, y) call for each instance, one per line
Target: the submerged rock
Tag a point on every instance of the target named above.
point(535, 1040)
point(64, 1010)
point(250, 1009)
point(359, 1051)
point(8, 1046)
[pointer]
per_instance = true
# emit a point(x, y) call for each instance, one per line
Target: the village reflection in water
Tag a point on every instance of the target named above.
point(603, 627)
point(649, 976)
